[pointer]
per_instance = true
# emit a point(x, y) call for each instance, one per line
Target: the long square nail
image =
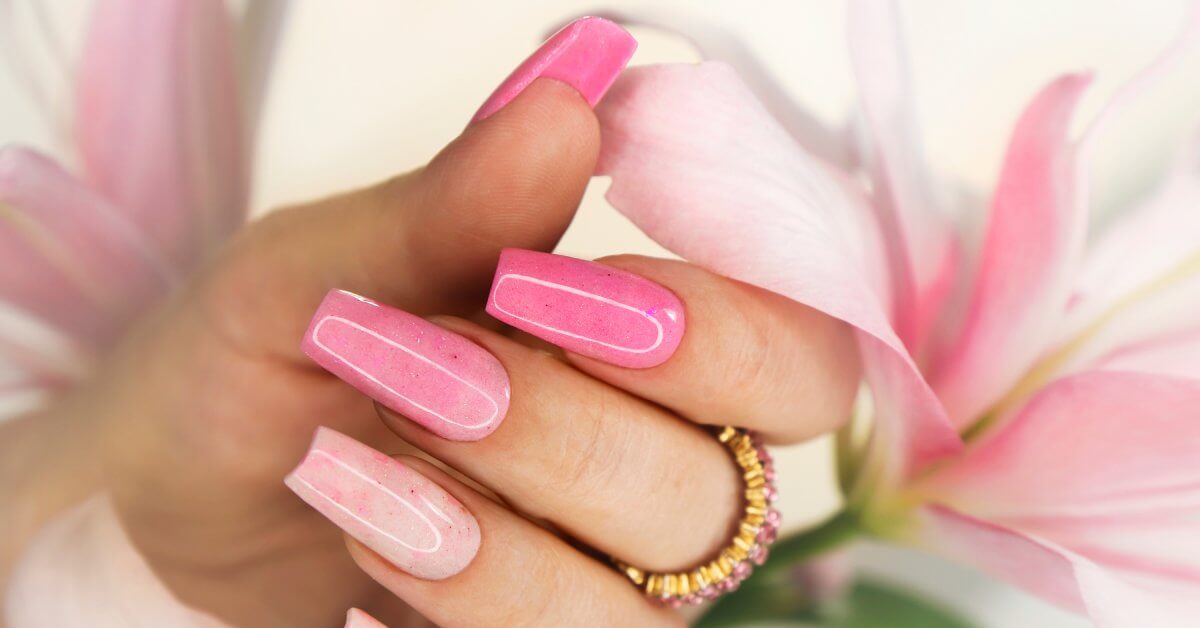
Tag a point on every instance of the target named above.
point(588, 308)
point(444, 382)
point(587, 54)
point(398, 513)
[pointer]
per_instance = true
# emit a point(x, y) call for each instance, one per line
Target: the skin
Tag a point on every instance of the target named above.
point(194, 421)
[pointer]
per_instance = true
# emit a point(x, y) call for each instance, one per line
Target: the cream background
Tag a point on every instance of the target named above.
point(363, 90)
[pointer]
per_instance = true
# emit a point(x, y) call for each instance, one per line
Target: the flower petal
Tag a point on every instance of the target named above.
point(1138, 290)
point(1098, 469)
point(34, 356)
point(715, 43)
point(1141, 280)
point(1111, 596)
point(1096, 444)
point(923, 243)
point(1034, 236)
point(68, 256)
point(159, 121)
point(700, 166)
point(1173, 354)
point(1155, 329)
point(1002, 552)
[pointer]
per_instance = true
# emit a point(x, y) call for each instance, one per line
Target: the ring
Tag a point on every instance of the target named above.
point(756, 531)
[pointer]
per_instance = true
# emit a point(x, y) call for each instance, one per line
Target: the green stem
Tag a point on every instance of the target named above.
point(766, 594)
point(797, 548)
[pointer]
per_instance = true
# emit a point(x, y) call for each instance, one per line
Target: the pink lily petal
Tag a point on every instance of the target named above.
point(1001, 552)
point(924, 248)
point(1111, 596)
point(699, 165)
point(1173, 354)
point(1160, 236)
point(67, 255)
point(1150, 254)
point(1154, 329)
point(1096, 444)
point(1138, 289)
point(159, 121)
point(715, 43)
point(1034, 236)
point(1149, 547)
point(34, 356)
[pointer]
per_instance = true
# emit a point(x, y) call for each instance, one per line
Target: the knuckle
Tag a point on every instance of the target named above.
point(596, 454)
point(746, 355)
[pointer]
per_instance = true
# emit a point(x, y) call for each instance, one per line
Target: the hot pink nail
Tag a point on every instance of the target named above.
point(588, 308)
point(356, 618)
point(587, 54)
point(399, 513)
point(437, 378)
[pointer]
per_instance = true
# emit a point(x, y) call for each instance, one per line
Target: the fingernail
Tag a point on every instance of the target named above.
point(588, 308)
point(440, 380)
point(398, 513)
point(356, 618)
point(587, 54)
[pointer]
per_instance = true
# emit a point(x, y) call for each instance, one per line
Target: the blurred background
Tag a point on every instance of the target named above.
point(362, 91)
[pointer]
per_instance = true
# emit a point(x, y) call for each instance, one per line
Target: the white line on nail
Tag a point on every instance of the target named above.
point(316, 335)
point(587, 295)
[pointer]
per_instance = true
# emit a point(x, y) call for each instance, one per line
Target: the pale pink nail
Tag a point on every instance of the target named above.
point(587, 54)
point(399, 513)
point(437, 378)
point(356, 618)
point(588, 308)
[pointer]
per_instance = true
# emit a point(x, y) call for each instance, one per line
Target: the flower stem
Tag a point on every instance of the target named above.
point(835, 531)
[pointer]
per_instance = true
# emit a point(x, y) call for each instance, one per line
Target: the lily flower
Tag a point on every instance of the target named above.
point(1034, 396)
point(161, 129)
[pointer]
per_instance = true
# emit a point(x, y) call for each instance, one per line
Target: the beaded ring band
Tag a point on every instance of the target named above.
point(756, 531)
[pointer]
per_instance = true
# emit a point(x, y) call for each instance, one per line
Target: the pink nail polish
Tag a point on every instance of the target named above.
point(587, 54)
point(356, 618)
point(588, 308)
point(444, 382)
point(400, 514)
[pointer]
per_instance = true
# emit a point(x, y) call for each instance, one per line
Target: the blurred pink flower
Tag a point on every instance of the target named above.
point(161, 127)
point(1036, 401)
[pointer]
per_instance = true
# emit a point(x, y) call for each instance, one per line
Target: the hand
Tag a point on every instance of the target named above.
point(211, 403)
point(609, 457)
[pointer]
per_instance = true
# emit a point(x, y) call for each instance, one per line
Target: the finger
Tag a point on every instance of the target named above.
point(455, 556)
point(749, 357)
point(427, 240)
point(608, 468)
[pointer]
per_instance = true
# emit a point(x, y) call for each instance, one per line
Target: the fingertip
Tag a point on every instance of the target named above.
point(358, 618)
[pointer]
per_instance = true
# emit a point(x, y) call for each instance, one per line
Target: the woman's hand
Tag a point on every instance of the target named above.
point(607, 456)
point(211, 403)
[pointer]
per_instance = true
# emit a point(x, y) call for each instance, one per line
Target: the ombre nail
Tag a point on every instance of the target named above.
point(587, 54)
point(588, 308)
point(444, 382)
point(398, 513)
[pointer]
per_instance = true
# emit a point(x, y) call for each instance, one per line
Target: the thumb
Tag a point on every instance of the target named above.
point(428, 241)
